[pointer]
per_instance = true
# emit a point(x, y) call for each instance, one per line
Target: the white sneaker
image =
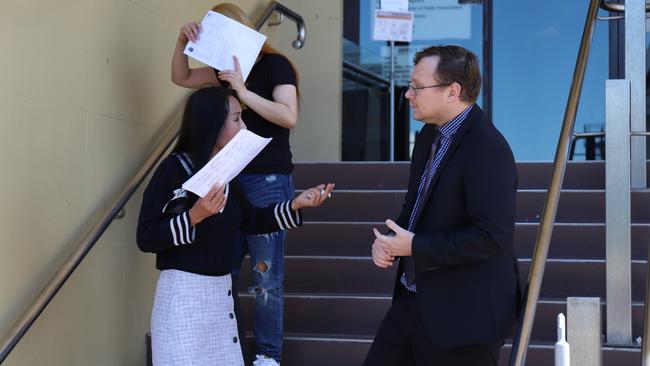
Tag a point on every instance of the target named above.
point(262, 360)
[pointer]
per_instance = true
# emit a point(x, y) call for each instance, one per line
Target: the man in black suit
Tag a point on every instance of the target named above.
point(457, 289)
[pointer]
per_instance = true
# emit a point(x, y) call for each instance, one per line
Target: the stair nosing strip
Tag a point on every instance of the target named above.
point(406, 162)
point(340, 339)
point(329, 296)
point(345, 296)
point(520, 223)
point(524, 260)
point(523, 190)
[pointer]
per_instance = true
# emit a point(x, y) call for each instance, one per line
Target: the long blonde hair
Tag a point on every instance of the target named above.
point(234, 12)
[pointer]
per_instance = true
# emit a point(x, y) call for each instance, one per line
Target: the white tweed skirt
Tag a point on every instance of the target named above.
point(193, 321)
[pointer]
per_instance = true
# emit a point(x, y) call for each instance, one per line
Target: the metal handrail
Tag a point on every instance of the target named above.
point(587, 134)
point(283, 10)
point(366, 73)
point(89, 239)
point(617, 8)
point(354, 77)
point(526, 318)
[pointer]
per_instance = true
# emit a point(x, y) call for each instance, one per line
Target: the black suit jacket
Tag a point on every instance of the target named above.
point(466, 271)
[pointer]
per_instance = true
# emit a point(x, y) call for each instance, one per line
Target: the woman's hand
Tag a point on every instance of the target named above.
point(313, 197)
point(208, 205)
point(234, 77)
point(189, 32)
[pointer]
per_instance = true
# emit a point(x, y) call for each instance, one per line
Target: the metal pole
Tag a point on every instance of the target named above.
point(487, 57)
point(635, 68)
point(645, 352)
point(618, 213)
point(525, 323)
point(392, 101)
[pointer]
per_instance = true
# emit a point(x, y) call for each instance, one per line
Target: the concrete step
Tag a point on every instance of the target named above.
point(327, 350)
point(358, 315)
point(581, 206)
point(384, 175)
point(358, 275)
point(569, 240)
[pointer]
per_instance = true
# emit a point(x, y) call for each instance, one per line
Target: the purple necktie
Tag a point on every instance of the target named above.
point(409, 265)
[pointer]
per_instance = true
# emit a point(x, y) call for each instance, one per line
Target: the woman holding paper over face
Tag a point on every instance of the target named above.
point(271, 95)
point(193, 320)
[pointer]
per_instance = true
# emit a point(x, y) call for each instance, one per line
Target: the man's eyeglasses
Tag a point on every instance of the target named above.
point(415, 89)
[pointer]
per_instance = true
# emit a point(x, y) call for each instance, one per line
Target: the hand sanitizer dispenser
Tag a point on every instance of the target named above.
point(561, 346)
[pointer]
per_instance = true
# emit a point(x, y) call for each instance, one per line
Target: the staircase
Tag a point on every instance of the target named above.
point(335, 297)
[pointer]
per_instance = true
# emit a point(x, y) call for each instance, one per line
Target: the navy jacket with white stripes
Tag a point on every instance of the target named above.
point(206, 248)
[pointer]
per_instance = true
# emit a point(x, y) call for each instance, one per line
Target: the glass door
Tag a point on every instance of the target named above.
point(366, 130)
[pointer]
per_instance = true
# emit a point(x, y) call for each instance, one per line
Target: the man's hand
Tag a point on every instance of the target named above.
point(380, 257)
point(395, 246)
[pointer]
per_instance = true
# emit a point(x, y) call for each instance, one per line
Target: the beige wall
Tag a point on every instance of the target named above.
point(84, 89)
point(317, 137)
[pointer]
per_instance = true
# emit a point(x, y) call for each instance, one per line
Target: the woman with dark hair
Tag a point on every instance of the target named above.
point(193, 320)
point(271, 94)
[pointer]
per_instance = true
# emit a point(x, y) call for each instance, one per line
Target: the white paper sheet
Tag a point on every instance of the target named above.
point(228, 163)
point(222, 38)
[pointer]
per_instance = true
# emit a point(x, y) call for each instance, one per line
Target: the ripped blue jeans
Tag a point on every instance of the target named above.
point(267, 262)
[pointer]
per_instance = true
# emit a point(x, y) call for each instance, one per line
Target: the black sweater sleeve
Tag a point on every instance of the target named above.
point(269, 219)
point(157, 232)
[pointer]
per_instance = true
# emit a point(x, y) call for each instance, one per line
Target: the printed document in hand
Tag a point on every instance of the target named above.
point(228, 162)
point(221, 39)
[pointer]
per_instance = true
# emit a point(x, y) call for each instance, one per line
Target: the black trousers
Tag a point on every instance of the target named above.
point(402, 341)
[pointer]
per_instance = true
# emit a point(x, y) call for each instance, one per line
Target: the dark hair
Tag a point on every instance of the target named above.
point(206, 111)
point(456, 64)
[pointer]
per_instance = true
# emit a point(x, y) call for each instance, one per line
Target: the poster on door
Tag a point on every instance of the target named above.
point(441, 19)
point(393, 26)
point(438, 19)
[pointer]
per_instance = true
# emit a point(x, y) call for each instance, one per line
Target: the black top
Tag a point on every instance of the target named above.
point(270, 71)
point(206, 248)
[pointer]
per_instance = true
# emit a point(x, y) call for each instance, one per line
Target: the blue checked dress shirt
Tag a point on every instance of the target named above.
point(441, 142)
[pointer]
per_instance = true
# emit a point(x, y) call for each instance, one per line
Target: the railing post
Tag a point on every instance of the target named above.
point(584, 331)
point(618, 212)
point(645, 351)
point(635, 72)
point(391, 153)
